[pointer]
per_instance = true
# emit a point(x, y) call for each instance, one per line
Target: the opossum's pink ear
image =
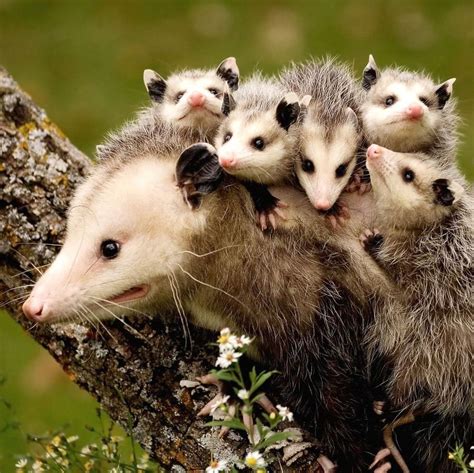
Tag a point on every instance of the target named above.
point(351, 115)
point(198, 173)
point(155, 85)
point(447, 192)
point(228, 103)
point(229, 71)
point(370, 74)
point(288, 110)
point(444, 92)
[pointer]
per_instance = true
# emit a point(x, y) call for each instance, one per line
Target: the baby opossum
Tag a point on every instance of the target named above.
point(132, 240)
point(257, 141)
point(330, 135)
point(422, 341)
point(407, 112)
point(193, 98)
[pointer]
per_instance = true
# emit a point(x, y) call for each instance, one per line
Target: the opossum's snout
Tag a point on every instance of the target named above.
point(33, 308)
point(375, 152)
point(196, 99)
point(414, 112)
point(322, 204)
point(227, 160)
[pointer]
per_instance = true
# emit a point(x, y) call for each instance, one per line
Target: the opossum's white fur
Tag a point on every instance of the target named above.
point(255, 117)
point(435, 133)
point(179, 112)
point(426, 328)
point(330, 134)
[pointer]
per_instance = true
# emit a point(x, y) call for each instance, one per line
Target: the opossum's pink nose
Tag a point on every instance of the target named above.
point(196, 99)
point(414, 111)
point(33, 308)
point(228, 161)
point(374, 152)
point(322, 204)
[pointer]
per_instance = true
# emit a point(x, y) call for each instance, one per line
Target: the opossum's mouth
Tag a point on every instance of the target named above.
point(136, 292)
point(199, 109)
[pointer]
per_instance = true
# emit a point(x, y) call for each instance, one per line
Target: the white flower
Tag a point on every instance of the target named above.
point(37, 466)
point(21, 463)
point(72, 439)
point(285, 413)
point(471, 463)
point(227, 358)
point(219, 403)
point(255, 460)
point(239, 342)
point(216, 466)
point(243, 394)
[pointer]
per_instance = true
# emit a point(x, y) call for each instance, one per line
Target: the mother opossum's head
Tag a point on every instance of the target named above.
point(128, 233)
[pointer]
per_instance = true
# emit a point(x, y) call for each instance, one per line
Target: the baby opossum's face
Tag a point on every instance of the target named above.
point(410, 190)
point(193, 98)
point(126, 239)
point(258, 146)
point(327, 158)
point(402, 110)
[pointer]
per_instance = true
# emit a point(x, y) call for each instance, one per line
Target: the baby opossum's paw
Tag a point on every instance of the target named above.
point(358, 184)
point(337, 215)
point(371, 240)
point(222, 398)
point(267, 218)
point(379, 463)
point(378, 407)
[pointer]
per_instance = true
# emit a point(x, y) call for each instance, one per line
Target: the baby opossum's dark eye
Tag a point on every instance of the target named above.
point(227, 136)
point(307, 166)
point(258, 143)
point(425, 101)
point(408, 175)
point(110, 249)
point(390, 100)
point(213, 91)
point(341, 170)
point(179, 96)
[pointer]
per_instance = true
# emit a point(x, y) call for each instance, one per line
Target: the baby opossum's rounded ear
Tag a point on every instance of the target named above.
point(228, 103)
point(447, 192)
point(155, 85)
point(305, 101)
point(351, 115)
point(371, 74)
point(444, 91)
point(198, 173)
point(288, 110)
point(100, 151)
point(229, 71)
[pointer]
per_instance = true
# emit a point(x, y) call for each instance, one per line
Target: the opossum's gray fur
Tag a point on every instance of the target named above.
point(425, 329)
point(331, 85)
point(444, 145)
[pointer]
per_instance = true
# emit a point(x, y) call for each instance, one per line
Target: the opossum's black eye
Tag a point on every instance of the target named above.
point(109, 249)
point(425, 101)
point(408, 175)
point(227, 137)
point(307, 166)
point(390, 100)
point(179, 96)
point(258, 143)
point(213, 91)
point(341, 170)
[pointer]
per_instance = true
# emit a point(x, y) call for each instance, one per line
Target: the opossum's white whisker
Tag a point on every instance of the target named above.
point(68, 279)
point(29, 270)
point(15, 300)
point(181, 315)
point(111, 282)
point(15, 288)
point(40, 243)
point(118, 305)
point(208, 253)
point(28, 261)
point(91, 266)
point(32, 327)
point(212, 287)
point(179, 303)
point(84, 318)
point(115, 316)
point(100, 322)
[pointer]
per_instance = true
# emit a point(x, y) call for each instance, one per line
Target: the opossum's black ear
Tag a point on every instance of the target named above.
point(447, 192)
point(155, 85)
point(370, 74)
point(288, 110)
point(198, 173)
point(444, 92)
point(228, 103)
point(229, 71)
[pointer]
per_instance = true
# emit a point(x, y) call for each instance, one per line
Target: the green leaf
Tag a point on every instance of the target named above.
point(225, 376)
point(231, 423)
point(278, 437)
point(261, 379)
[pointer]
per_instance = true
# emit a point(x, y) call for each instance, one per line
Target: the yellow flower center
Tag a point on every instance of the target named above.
point(251, 461)
point(223, 339)
point(214, 464)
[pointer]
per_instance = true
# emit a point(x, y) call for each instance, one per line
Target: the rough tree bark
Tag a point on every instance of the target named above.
point(134, 371)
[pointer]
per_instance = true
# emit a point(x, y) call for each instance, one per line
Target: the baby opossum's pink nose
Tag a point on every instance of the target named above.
point(33, 308)
point(227, 161)
point(196, 99)
point(374, 152)
point(414, 111)
point(322, 204)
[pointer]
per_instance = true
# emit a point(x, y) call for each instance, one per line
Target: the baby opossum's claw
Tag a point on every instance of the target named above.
point(337, 215)
point(378, 407)
point(381, 455)
point(211, 379)
point(265, 403)
point(268, 218)
point(371, 240)
point(327, 466)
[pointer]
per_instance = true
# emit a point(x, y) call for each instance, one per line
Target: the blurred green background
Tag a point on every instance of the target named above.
point(83, 61)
